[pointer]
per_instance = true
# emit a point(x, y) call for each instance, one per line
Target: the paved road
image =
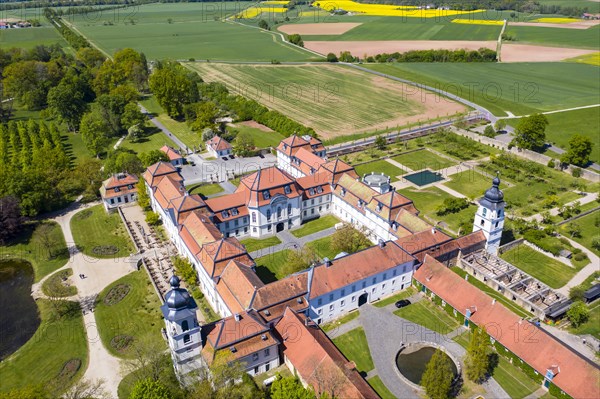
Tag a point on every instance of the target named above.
point(162, 127)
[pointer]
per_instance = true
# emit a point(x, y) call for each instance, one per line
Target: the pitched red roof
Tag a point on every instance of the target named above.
point(270, 179)
point(290, 145)
point(357, 266)
point(172, 153)
point(118, 185)
point(237, 286)
point(167, 190)
point(281, 291)
point(153, 173)
point(214, 256)
point(312, 353)
point(218, 144)
point(423, 241)
point(577, 377)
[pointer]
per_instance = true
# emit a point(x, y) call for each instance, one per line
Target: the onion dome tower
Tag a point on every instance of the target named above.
point(490, 216)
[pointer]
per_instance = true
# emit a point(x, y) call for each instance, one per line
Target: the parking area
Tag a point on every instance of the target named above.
point(199, 170)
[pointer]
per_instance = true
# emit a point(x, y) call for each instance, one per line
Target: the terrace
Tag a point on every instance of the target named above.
point(515, 284)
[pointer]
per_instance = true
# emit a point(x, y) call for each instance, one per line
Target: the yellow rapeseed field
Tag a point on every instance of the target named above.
point(556, 20)
point(386, 10)
point(477, 22)
point(282, 2)
point(252, 12)
point(592, 59)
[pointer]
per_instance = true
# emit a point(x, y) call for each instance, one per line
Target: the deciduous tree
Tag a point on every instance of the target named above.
point(578, 314)
point(95, 132)
point(531, 132)
point(11, 219)
point(438, 376)
point(348, 239)
point(243, 144)
point(580, 149)
point(290, 388)
point(132, 116)
point(152, 157)
point(149, 389)
point(477, 361)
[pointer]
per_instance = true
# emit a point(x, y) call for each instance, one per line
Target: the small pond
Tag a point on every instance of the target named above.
point(19, 317)
point(424, 177)
point(412, 363)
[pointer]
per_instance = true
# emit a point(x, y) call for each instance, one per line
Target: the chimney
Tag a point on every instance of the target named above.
point(306, 322)
point(327, 262)
point(381, 243)
point(493, 301)
point(433, 230)
point(237, 317)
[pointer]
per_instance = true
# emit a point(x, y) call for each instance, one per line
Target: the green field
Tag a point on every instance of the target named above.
point(30, 37)
point(584, 38)
point(94, 228)
point(332, 99)
point(315, 225)
point(179, 129)
point(154, 139)
point(354, 346)
point(563, 125)
point(55, 287)
point(205, 190)
point(254, 244)
point(395, 298)
point(42, 244)
point(592, 326)
point(136, 316)
point(521, 88)
point(58, 340)
point(589, 230)
point(547, 270)
point(469, 183)
point(399, 28)
point(262, 139)
point(380, 166)
point(423, 159)
point(338, 322)
point(268, 267)
point(322, 248)
point(428, 315)
point(192, 33)
point(380, 388)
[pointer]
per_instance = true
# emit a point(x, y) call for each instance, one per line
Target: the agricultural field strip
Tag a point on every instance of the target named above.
point(313, 111)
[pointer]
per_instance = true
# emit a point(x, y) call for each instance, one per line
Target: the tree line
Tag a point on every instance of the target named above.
point(185, 96)
point(461, 55)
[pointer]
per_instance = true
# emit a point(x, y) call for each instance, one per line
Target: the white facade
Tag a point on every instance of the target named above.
point(117, 201)
point(490, 217)
point(337, 303)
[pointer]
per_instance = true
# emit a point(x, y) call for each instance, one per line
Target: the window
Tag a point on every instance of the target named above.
point(353, 288)
point(225, 214)
point(254, 229)
point(383, 286)
point(343, 192)
point(268, 215)
point(266, 194)
point(287, 190)
point(379, 207)
point(254, 357)
point(320, 312)
point(186, 338)
point(331, 307)
point(278, 213)
point(320, 301)
point(256, 370)
point(269, 227)
point(267, 351)
point(289, 209)
point(499, 212)
point(374, 280)
point(484, 211)
point(311, 191)
point(312, 211)
point(482, 222)
point(331, 297)
point(394, 282)
point(343, 303)
point(184, 326)
point(112, 201)
point(118, 199)
point(236, 222)
point(312, 201)
point(319, 189)
point(343, 293)
point(245, 229)
point(226, 225)
point(385, 276)
point(304, 213)
point(234, 211)
point(353, 298)
point(130, 186)
point(364, 284)
point(267, 366)
point(117, 189)
point(394, 272)
point(374, 289)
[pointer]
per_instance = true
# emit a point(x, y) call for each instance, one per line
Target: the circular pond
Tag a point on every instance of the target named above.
point(19, 318)
point(412, 361)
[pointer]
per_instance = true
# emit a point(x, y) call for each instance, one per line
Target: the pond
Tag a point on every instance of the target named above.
point(19, 317)
point(412, 364)
point(424, 177)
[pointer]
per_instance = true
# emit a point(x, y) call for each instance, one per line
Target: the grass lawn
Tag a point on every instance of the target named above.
point(94, 229)
point(136, 316)
point(55, 287)
point(463, 339)
point(514, 381)
point(523, 88)
point(196, 31)
point(268, 267)
point(204, 189)
point(592, 326)
point(469, 183)
point(395, 298)
point(74, 146)
point(41, 244)
point(338, 322)
point(354, 346)
point(380, 166)
point(254, 244)
point(56, 342)
point(428, 315)
point(153, 139)
point(588, 228)
point(380, 388)
point(512, 306)
point(179, 129)
point(315, 225)
point(322, 248)
point(563, 125)
point(262, 139)
point(333, 99)
point(423, 159)
point(547, 270)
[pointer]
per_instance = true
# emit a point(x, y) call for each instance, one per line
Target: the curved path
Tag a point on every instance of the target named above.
point(99, 273)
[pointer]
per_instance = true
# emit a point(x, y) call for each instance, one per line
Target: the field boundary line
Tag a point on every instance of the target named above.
point(71, 26)
point(557, 111)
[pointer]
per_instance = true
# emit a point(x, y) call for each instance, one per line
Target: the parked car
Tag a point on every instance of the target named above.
point(224, 158)
point(402, 303)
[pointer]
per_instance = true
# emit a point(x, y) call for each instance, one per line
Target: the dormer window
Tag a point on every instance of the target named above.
point(233, 350)
point(311, 191)
point(360, 203)
point(287, 189)
point(319, 190)
point(266, 194)
point(225, 214)
point(130, 186)
point(234, 211)
point(343, 192)
point(394, 226)
point(379, 207)
point(117, 189)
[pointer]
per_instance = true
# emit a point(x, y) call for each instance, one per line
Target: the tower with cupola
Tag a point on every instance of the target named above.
point(490, 216)
point(182, 328)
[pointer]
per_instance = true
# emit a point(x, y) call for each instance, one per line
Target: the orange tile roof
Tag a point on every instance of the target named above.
point(357, 266)
point(120, 180)
point(238, 285)
point(312, 353)
point(121, 184)
point(281, 291)
point(218, 144)
point(475, 239)
point(215, 256)
point(172, 153)
point(290, 145)
point(201, 228)
point(182, 206)
point(153, 172)
point(228, 331)
point(321, 178)
point(338, 167)
point(272, 179)
point(577, 377)
point(423, 240)
point(411, 222)
point(236, 200)
point(306, 162)
point(167, 190)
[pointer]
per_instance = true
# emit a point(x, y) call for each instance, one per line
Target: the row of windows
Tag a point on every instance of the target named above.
point(320, 200)
point(236, 222)
point(353, 298)
point(267, 352)
point(267, 194)
point(364, 285)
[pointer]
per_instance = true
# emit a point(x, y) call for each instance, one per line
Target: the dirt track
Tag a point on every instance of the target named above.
point(533, 53)
point(360, 48)
point(574, 25)
point(318, 29)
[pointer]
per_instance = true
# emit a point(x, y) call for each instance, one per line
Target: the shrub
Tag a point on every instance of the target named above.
point(596, 243)
point(578, 314)
point(580, 257)
point(577, 172)
point(152, 218)
point(551, 164)
point(452, 205)
point(332, 57)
